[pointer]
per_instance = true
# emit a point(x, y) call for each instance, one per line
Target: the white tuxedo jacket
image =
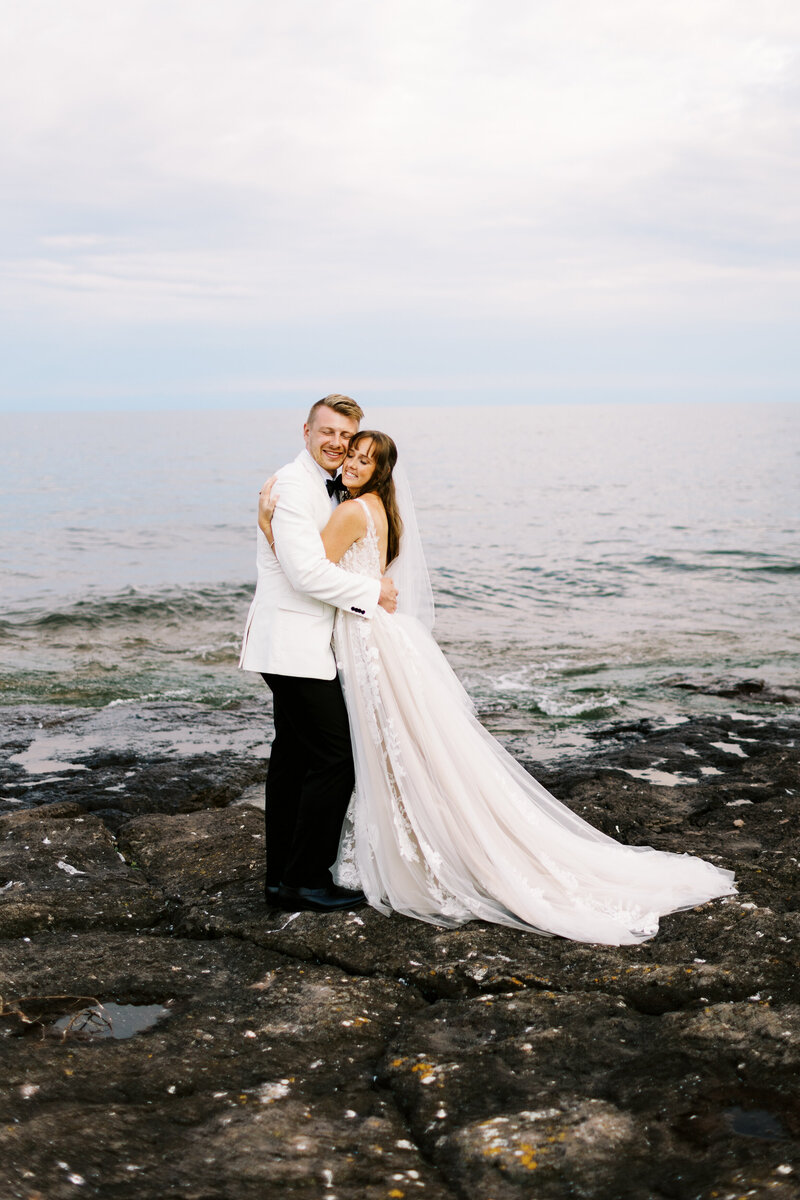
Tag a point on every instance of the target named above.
point(290, 623)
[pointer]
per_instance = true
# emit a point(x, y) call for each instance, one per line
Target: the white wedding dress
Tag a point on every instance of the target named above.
point(447, 827)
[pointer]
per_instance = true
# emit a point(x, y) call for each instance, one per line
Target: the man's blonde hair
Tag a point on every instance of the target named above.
point(345, 406)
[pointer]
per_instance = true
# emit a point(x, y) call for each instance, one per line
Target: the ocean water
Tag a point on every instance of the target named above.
point(584, 558)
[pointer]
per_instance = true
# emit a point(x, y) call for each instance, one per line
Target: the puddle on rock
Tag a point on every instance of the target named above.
point(754, 1123)
point(662, 778)
point(110, 1021)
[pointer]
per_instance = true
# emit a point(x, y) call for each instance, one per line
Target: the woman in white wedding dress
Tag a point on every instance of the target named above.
point(445, 826)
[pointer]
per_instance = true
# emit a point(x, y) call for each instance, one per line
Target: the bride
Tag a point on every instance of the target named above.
point(445, 826)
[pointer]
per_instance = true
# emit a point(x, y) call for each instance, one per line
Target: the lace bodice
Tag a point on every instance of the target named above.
point(364, 556)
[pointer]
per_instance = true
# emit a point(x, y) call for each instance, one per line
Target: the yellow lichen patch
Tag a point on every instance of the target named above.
point(527, 1155)
point(398, 1062)
point(396, 1193)
point(423, 1069)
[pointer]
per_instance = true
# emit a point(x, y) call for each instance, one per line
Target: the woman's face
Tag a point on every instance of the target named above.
point(359, 466)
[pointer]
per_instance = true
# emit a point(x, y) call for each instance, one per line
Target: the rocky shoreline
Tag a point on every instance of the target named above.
point(359, 1056)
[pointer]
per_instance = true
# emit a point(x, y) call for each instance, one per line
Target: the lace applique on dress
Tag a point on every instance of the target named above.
point(364, 556)
point(362, 665)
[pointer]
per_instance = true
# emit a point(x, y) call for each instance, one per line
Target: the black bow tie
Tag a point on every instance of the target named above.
point(336, 488)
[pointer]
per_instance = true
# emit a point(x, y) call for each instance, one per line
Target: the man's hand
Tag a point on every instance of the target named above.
point(388, 596)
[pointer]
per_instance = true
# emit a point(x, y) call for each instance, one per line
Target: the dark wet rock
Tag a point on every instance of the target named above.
point(157, 758)
point(706, 955)
point(718, 786)
point(116, 785)
point(734, 687)
point(194, 856)
point(262, 1077)
point(65, 872)
point(357, 1055)
point(617, 1094)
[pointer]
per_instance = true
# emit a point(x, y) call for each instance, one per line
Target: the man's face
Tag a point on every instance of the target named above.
point(328, 436)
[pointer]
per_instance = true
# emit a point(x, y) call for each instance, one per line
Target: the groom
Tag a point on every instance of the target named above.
point(288, 641)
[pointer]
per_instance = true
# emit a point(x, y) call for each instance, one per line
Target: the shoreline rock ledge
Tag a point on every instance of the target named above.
point(357, 1057)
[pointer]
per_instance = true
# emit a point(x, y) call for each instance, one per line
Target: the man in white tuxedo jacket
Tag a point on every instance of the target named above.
point(288, 641)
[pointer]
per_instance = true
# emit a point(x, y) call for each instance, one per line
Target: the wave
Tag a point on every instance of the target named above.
point(777, 569)
point(749, 563)
point(524, 687)
point(589, 707)
point(519, 587)
point(132, 607)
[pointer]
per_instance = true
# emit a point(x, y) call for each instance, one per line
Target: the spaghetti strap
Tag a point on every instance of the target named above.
point(370, 522)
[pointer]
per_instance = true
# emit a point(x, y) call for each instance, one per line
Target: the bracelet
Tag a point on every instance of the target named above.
point(270, 544)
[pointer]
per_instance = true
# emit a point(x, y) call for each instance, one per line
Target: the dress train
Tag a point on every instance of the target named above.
point(445, 826)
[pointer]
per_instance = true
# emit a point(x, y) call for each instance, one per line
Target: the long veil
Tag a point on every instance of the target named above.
point(408, 569)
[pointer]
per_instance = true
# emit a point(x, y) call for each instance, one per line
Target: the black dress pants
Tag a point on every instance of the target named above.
point(310, 780)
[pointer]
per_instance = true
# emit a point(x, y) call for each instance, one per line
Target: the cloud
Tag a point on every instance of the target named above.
point(562, 162)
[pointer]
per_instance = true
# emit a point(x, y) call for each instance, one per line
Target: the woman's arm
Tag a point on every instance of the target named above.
point(267, 499)
point(347, 525)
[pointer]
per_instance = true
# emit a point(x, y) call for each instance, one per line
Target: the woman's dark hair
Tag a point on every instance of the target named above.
point(384, 454)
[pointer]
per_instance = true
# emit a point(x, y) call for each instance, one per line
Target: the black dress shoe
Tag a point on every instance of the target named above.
point(272, 894)
point(326, 899)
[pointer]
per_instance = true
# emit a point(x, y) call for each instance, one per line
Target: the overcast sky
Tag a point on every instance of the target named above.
point(255, 201)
